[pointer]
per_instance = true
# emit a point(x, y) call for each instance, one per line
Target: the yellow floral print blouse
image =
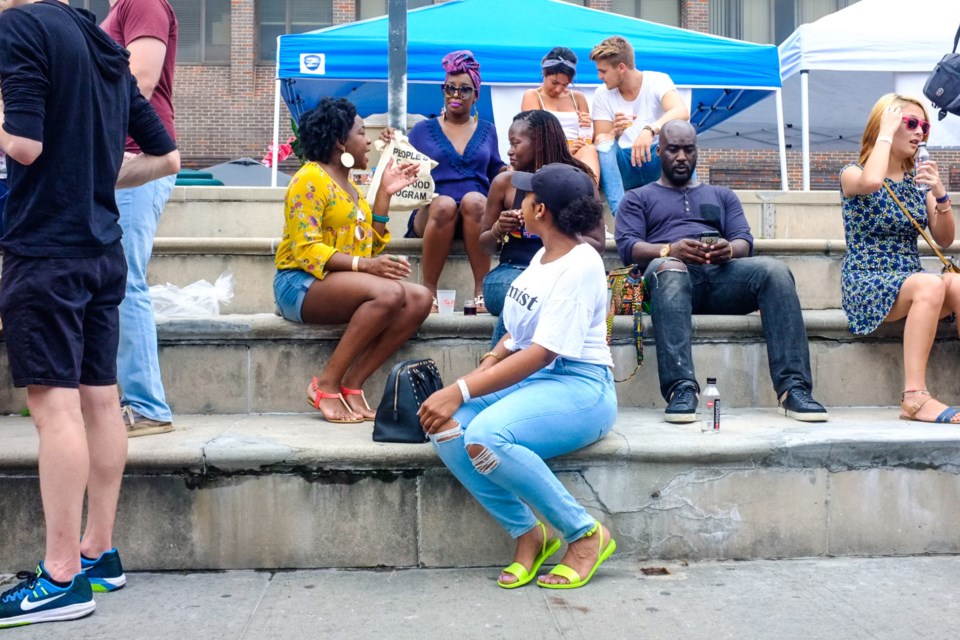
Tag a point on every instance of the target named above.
point(321, 219)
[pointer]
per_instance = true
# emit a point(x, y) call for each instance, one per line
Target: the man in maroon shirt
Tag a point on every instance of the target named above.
point(148, 29)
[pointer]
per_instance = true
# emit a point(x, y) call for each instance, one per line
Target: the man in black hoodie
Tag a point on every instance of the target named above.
point(69, 102)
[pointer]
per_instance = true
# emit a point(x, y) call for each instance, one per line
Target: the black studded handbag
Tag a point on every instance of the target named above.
point(943, 85)
point(410, 383)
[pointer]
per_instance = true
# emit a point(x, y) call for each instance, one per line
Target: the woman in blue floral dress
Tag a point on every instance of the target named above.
point(881, 276)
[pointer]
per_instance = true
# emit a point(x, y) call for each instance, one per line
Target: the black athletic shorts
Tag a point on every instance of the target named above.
point(61, 318)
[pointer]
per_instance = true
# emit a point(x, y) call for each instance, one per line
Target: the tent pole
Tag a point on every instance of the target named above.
point(805, 125)
point(397, 65)
point(781, 138)
point(276, 134)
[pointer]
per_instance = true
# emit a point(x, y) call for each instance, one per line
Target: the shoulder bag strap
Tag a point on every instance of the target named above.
point(956, 40)
point(923, 232)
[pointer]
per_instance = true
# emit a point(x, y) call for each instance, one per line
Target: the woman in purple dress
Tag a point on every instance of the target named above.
point(465, 149)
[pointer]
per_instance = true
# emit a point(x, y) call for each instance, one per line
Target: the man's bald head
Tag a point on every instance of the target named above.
point(677, 149)
point(678, 127)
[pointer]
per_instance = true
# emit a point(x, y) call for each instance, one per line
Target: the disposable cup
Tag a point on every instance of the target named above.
point(446, 299)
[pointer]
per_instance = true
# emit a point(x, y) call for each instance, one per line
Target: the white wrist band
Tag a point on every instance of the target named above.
point(356, 263)
point(463, 389)
point(887, 139)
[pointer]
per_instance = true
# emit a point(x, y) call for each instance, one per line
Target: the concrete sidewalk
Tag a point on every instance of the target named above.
point(875, 598)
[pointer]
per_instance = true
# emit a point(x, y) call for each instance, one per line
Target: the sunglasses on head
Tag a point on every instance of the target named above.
point(451, 90)
point(913, 121)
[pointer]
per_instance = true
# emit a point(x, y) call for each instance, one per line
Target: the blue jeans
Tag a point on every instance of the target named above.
point(739, 287)
point(551, 413)
point(138, 365)
point(617, 175)
point(495, 287)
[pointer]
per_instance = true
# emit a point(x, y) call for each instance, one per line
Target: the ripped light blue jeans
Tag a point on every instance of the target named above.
point(551, 413)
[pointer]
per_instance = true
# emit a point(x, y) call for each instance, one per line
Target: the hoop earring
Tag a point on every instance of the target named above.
point(347, 160)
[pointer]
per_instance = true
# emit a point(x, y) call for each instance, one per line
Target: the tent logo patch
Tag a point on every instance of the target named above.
point(315, 63)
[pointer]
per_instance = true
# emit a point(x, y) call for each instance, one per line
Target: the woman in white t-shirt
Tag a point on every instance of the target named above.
point(546, 389)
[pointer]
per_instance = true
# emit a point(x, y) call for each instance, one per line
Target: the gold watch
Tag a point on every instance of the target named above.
point(665, 250)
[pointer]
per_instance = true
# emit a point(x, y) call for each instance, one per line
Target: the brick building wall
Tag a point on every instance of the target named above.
point(742, 169)
point(695, 15)
point(226, 112)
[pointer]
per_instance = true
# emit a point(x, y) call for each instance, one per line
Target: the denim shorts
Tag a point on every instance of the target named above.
point(290, 287)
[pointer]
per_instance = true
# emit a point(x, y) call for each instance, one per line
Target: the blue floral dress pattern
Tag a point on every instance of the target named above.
point(881, 251)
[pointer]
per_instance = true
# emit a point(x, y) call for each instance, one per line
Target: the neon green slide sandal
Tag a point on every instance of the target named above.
point(575, 581)
point(549, 548)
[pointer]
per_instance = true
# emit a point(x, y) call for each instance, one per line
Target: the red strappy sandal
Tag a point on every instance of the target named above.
point(321, 395)
point(356, 392)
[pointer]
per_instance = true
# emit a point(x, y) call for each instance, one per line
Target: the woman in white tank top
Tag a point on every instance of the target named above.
point(570, 107)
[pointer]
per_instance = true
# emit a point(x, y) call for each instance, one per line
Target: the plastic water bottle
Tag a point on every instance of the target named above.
point(710, 407)
point(922, 156)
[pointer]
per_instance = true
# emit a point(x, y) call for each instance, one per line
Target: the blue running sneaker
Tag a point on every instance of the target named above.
point(105, 573)
point(36, 599)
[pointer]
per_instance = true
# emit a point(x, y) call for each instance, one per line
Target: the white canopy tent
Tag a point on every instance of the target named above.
point(906, 39)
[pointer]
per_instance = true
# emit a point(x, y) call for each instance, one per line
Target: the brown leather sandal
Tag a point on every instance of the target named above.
point(946, 416)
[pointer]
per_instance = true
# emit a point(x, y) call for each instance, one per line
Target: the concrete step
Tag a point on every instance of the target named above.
point(258, 212)
point(291, 491)
point(815, 265)
point(260, 363)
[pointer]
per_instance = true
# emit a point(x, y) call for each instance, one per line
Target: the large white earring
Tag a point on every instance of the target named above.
point(347, 159)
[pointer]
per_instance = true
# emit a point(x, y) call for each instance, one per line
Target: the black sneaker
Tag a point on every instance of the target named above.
point(36, 599)
point(682, 407)
point(105, 573)
point(797, 403)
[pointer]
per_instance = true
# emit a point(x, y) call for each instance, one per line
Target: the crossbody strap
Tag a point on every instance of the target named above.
point(923, 232)
point(956, 40)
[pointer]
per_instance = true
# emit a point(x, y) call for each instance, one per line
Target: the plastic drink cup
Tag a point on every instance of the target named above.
point(446, 299)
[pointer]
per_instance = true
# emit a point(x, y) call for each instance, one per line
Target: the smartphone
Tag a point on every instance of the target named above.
point(709, 238)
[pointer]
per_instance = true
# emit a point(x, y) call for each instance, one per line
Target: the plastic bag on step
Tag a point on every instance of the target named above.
point(197, 300)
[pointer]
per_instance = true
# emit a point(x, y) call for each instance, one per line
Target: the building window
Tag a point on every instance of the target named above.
point(99, 8)
point(767, 21)
point(203, 36)
point(662, 11)
point(277, 17)
point(367, 9)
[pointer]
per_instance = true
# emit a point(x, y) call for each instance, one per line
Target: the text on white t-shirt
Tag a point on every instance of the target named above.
point(561, 306)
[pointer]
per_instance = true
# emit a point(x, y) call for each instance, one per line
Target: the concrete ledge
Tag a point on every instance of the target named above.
point(830, 323)
point(260, 363)
point(282, 491)
point(414, 246)
point(257, 211)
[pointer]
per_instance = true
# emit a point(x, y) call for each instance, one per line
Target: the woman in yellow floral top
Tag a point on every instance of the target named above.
point(329, 264)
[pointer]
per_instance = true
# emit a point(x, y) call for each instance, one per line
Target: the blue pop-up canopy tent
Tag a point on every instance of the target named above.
point(509, 38)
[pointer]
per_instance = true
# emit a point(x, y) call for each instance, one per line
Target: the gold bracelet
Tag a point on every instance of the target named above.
point(942, 211)
point(488, 354)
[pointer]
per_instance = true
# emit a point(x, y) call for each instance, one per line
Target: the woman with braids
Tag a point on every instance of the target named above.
point(536, 139)
point(544, 390)
point(559, 67)
point(329, 267)
point(465, 149)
